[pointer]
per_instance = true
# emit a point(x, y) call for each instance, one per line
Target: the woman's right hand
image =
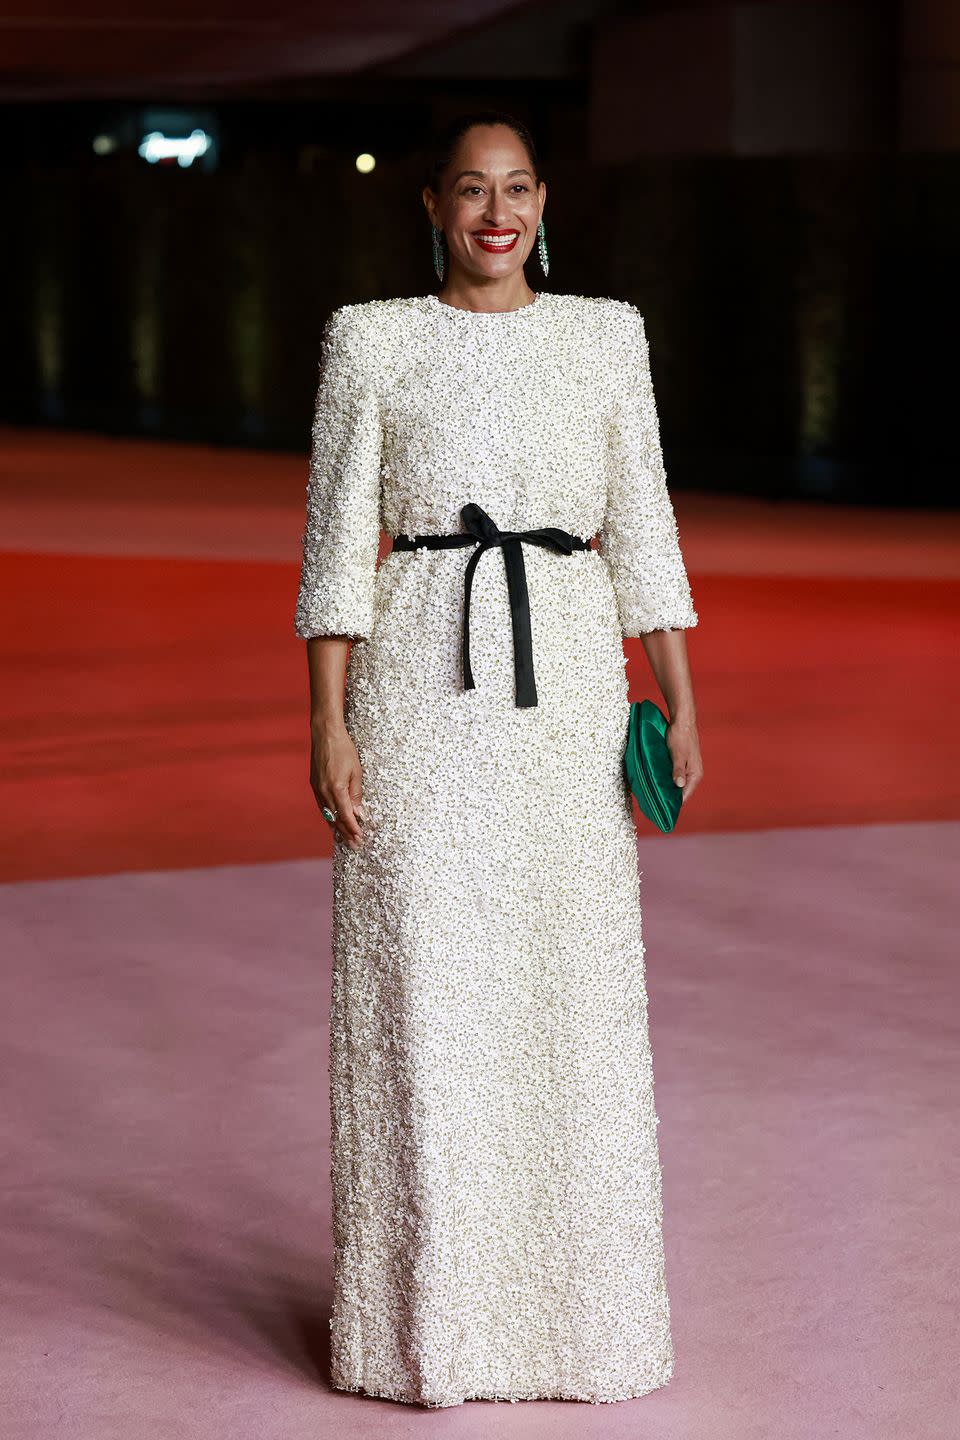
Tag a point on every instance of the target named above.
point(336, 780)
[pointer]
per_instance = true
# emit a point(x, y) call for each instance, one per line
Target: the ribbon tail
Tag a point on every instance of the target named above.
point(526, 689)
point(465, 645)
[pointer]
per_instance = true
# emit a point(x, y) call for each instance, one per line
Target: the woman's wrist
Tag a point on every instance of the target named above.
point(684, 714)
point(327, 723)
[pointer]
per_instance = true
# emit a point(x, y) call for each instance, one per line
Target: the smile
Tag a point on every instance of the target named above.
point(496, 240)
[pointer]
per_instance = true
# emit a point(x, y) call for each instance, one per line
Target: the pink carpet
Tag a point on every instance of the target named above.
point(164, 1211)
point(165, 1208)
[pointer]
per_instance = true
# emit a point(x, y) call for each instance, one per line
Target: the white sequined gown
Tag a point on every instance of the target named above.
point(496, 1180)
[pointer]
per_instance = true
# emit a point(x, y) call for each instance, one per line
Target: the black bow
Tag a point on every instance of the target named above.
point(479, 524)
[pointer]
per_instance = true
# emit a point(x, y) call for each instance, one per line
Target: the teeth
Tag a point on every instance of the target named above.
point(498, 239)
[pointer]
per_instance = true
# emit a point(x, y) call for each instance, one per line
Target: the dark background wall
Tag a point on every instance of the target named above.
point(800, 303)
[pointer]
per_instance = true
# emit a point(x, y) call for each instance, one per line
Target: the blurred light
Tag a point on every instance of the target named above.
point(365, 163)
point(821, 330)
point(48, 313)
point(147, 318)
point(184, 148)
point(104, 144)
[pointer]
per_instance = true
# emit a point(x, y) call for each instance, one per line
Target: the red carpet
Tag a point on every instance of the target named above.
point(155, 709)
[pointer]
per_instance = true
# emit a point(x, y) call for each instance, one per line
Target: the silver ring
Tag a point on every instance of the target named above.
point(329, 814)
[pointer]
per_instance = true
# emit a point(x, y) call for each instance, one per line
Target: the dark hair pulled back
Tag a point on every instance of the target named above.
point(446, 141)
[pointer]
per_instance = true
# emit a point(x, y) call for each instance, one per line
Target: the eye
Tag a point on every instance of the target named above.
point(517, 185)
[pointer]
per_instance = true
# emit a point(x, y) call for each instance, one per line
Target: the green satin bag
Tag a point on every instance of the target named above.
point(649, 765)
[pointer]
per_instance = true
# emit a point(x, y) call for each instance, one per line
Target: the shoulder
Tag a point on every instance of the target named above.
point(598, 305)
point(620, 348)
point(348, 345)
point(349, 323)
point(612, 323)
point(365, 331)
point(621, 322)
point(369, 317)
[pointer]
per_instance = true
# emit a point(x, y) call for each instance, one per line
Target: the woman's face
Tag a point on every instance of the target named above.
point(489, 205)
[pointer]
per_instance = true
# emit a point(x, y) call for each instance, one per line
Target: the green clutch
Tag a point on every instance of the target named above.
point(649, 765)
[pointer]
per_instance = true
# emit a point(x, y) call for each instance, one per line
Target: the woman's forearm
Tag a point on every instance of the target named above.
point(667, 653)
point(327, 664)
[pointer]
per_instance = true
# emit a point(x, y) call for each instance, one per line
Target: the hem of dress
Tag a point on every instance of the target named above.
point(513, 1396)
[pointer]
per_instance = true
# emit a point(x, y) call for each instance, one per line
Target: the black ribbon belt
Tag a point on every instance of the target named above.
point(484, 533)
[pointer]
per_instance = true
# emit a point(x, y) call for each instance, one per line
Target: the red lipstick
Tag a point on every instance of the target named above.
point(487, 240)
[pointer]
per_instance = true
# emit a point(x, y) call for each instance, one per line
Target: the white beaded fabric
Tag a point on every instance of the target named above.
point(497, 1210)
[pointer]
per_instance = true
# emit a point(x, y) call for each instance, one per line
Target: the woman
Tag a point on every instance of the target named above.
point(496, 1181)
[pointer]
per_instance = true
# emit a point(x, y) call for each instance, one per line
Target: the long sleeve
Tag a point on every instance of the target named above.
point(639, 536)
point(341, 541)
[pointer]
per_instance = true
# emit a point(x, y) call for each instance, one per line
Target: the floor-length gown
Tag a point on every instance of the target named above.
point(497, 1210)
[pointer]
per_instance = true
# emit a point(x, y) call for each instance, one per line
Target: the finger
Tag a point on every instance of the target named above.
point(356, 796)
point(694, 776)
point(347, 822)
point(336, 799)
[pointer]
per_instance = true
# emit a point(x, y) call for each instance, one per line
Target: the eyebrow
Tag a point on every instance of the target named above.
point(482, 174)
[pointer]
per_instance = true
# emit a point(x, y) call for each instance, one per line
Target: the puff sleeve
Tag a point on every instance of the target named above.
point(639, 537)
point(341, 541)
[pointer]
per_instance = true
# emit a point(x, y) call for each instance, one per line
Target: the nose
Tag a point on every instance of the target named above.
point(496, 212)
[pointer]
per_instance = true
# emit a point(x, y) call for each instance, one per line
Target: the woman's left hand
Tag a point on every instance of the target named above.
point(683, 742)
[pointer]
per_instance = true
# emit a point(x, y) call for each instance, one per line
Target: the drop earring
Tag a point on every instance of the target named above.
point(542, 249)
point(438, 262)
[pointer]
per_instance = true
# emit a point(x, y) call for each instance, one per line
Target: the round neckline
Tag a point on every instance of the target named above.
point(461, 310)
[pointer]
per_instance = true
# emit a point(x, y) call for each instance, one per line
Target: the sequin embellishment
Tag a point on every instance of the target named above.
point(497, 1207)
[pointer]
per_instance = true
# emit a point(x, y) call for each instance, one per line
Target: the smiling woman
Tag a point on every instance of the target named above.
point(490, 205)
point(496, 1180)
